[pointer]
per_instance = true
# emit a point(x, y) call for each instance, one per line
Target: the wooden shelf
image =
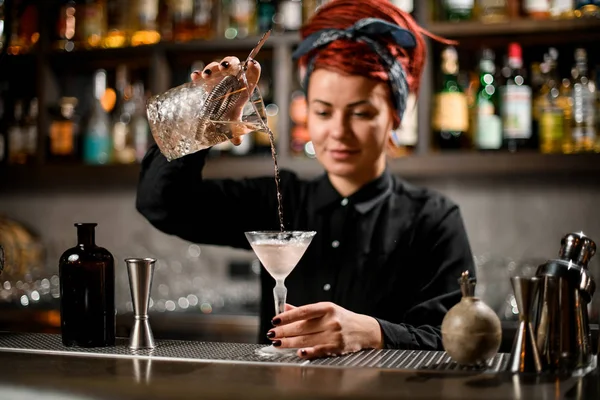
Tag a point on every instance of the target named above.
point(442, 165)
point(477, 30)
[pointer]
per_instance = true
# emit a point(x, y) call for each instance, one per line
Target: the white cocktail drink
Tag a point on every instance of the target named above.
point(279, 253)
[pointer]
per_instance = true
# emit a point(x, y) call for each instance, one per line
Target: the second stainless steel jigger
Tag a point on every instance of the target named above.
point(141, 272)
point(524, 356)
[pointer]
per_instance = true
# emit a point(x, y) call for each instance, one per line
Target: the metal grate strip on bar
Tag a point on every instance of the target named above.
point(243, 352)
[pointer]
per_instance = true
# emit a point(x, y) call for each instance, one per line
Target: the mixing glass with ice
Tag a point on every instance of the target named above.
point(279, 252)
point(206, 112)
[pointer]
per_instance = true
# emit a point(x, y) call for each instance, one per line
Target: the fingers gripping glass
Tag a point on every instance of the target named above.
point(206, 112)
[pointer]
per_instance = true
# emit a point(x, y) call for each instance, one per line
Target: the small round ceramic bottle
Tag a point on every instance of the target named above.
point(471, 330)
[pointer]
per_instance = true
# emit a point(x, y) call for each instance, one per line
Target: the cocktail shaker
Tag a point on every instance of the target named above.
point(566, 288)
point(141, 272)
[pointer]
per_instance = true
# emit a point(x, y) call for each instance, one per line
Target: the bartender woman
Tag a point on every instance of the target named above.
point(382, 270)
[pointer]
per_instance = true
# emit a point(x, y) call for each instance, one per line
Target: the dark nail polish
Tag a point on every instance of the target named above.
point(303, 352)
point(253, 61)
point(276, 321)
point(271, 334)
point(207, 71)
point(277, 343)
point(225, 64)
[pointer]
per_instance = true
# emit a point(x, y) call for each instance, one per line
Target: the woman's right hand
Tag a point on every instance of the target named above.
point(215, 71)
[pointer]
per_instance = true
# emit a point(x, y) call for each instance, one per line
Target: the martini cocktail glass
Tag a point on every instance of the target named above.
point(279, 252)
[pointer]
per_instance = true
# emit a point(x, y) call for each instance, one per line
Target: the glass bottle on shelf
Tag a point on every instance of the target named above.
point(140, 129)
point(266, 11)
point(551, 114)
point(64, 131)
point(583, 128)
point(202, 19)
point(309, 7)
point(24, 28)
point(458, 10)
point(587, 8)
point(117, 23)
point(87, 292)
point(182, 12)
point(92, 23)
point(537, 9)
point(451, 113)
point(123, 151)
point(488, 128)
point(291, 14)
point(404, 139)
point(239, 18)
point(67, 24)
point(16, 136)
point(562, 9)
point(492, 10)
point(145, 23)
point(31, 131)
point(96, 139)
point(515, 103)
point(565, 102)
point(2, 25)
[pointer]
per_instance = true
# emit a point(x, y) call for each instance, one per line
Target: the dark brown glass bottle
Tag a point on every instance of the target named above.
point(87, 291)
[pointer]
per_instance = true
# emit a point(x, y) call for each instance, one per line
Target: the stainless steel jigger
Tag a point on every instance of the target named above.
point(141, 272)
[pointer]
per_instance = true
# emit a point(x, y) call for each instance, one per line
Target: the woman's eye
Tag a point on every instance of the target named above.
point(362, 114)
point(321, 113)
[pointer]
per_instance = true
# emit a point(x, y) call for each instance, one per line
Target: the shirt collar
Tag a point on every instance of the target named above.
point(363, 200)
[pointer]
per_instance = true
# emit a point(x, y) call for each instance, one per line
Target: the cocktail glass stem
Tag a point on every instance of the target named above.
point(280, 294)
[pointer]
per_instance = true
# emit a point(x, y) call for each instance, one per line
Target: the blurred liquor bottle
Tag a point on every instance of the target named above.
point(96, 137)
point(309, 7)
point(203, 16)
point(182, 12)
point(118, 23)
point(563, 9)
point(583, 95)
point(63, 140)
point(536, 9)
point(66, 26)
point(404, 139)
point(488, 124)
point(3, 24)
point(30, 128)
point(16, 136)
point(458, 10)
point(291, 14)
point(587, 8)
point(515, 98)
point(492, 10)
point(239, 18)
point(24, 32)
point(90, 30)
point(266, 13)
point(451, 113)
point(123, 140)
point(547, 107)
point(145, 23)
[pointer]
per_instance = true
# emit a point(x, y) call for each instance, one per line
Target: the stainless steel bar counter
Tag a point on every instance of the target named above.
point(37, 366)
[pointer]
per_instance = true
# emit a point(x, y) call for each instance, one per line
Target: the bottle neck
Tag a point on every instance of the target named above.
point(86, 235)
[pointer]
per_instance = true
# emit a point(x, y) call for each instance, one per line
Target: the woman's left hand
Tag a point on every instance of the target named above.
point(324, 329)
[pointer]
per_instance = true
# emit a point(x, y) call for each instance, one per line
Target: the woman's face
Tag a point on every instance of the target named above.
point(349, 120)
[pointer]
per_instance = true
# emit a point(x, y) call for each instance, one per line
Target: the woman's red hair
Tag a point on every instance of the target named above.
point(357, 58)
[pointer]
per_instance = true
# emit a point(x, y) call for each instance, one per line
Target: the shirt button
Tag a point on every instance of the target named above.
point(335, 244)
point(344, 202)
point(326, 287)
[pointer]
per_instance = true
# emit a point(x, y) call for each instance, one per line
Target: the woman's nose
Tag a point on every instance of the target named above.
point(338, 127)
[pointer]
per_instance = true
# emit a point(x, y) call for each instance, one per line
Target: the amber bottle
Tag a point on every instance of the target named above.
point(87, 291)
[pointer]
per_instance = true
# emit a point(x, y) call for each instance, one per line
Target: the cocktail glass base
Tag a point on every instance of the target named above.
point(272, 351)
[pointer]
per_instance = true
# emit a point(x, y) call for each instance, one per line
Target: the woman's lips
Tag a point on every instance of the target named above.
point(342, 154)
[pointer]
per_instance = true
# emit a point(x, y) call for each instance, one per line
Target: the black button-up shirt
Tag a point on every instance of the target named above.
point(391, 250)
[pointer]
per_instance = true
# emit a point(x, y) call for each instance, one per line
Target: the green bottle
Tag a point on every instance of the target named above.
point(488, 128)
